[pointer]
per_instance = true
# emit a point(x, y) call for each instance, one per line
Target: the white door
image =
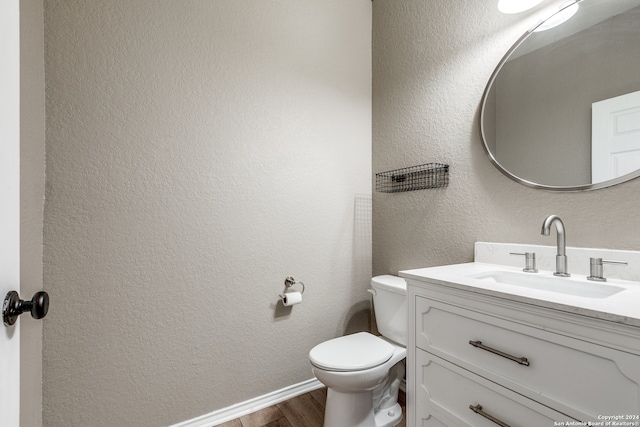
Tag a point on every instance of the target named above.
point(615, 137)
point(9, 206)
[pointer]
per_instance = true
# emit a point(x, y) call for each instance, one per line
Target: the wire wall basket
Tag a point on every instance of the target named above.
point(430, 175)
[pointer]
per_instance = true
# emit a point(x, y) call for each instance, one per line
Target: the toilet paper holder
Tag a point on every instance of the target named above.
point(289, 282)
point(291, 298)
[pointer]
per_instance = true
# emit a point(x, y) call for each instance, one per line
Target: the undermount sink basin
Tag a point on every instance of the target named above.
point(561, 285)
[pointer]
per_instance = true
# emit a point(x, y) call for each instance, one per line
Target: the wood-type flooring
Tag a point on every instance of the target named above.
point(306, 410)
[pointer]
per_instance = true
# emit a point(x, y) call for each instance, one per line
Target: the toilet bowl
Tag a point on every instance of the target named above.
point(363, 372)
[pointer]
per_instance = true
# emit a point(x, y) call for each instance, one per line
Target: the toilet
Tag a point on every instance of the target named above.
point(362, 371)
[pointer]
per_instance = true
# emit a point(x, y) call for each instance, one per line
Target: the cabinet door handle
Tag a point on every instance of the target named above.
point(478, 410)
point(520, 360)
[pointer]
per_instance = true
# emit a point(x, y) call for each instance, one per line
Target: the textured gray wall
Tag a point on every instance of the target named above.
point(198, 152)
point(432, 60)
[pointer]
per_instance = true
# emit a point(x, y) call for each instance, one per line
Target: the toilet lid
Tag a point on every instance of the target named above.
point(351, 353)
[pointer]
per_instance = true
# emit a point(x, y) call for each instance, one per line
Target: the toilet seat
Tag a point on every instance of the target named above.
point(354, 352)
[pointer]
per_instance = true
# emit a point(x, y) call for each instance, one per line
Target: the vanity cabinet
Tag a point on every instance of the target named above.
point(476, 360)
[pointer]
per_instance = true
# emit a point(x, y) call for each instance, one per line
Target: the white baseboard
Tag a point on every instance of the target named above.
point(252, 405)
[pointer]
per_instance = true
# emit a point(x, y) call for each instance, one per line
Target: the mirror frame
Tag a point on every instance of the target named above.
point(505, 171)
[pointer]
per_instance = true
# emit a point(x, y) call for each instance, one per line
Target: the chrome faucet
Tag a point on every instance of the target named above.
point(561, 256)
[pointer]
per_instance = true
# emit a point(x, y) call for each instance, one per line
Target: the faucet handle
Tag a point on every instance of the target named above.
point(529, 261)
point(596, 269)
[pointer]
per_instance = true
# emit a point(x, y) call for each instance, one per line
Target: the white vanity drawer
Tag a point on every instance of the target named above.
point(444, 388)
point(426, 416)
point(576, 377)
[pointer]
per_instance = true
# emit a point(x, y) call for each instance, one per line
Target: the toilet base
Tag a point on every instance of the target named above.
point(356, 410)
point(389, 417)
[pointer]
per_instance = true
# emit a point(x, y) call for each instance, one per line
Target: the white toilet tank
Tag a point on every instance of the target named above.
point(390, 305)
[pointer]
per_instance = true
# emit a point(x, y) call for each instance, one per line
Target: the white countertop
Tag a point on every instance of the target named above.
point(622, 307)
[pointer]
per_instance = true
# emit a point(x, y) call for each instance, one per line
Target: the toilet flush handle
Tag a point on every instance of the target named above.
point(372, 291)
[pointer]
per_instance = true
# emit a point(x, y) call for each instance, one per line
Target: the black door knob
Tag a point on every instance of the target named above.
point(13, 306)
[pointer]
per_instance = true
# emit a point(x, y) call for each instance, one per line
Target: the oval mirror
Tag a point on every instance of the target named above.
point(562, 109)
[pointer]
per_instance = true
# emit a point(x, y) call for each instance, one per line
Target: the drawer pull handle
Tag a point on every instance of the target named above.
point(520, 360)
point(478, 410)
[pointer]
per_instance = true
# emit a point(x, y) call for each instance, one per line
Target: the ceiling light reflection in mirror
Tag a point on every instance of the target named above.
point(559, 18)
